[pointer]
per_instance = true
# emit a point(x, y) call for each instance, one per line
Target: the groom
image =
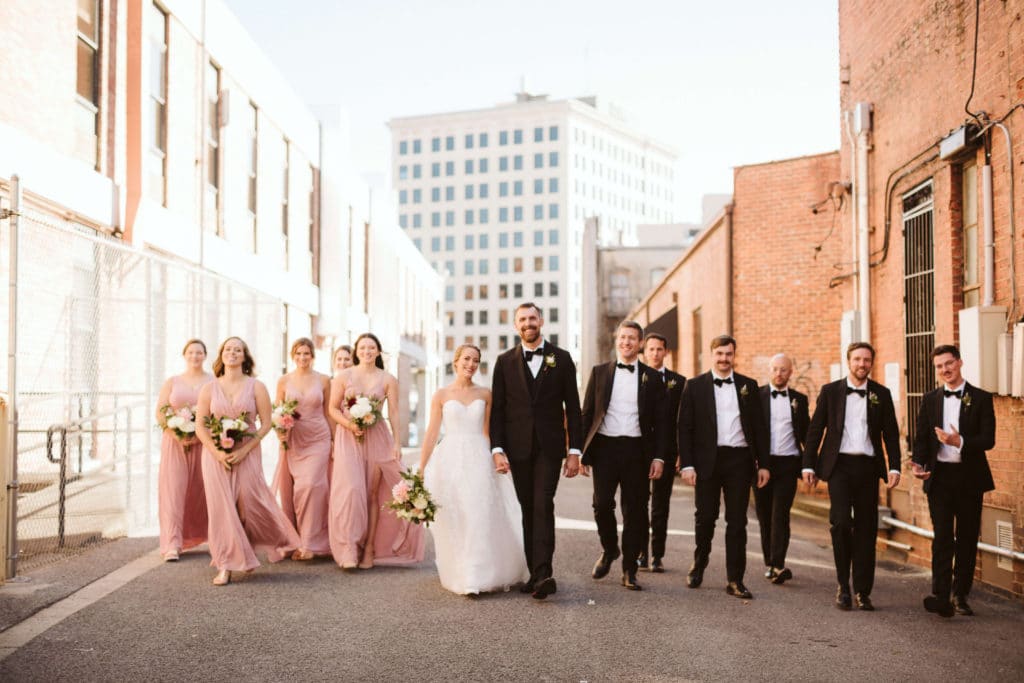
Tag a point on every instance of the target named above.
point(535, 401)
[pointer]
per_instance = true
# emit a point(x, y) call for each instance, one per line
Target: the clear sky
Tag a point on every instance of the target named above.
point(725, 83)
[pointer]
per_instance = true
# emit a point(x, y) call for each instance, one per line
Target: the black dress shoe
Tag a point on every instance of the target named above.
point(657, 567)
point(544, 588)
point(937, 605)
point(603, 565)
point(738, 590)
point(641, 562)
point(864, 602)
point(781, 576)
point(961, 606)
point(526, 587)
point(695, 577)
point(629, 581)
point(769, 573)
point(843, 600)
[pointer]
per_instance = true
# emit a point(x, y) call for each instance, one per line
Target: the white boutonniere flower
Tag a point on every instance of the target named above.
point(792, 404)
point(549, 360)
point(966, 400)
point(744, 391)
point(672, 384)
point(643, 378)
point(873, 398)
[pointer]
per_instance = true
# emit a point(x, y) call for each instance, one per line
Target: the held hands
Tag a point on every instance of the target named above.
point(894, 478)
point(572, 466)
point(501, 465)
point(763, 475)
point(657, 467)
point(920, 472)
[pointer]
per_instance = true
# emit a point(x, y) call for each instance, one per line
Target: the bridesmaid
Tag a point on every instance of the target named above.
point(301, 478)
point(342, 358)
point(182, 503)
point(367, 464)
point(243, 513)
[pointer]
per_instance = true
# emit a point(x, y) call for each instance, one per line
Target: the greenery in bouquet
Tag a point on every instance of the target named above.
point(411, 500)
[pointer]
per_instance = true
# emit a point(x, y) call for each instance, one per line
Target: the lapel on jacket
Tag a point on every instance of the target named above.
point(872, 414)
point(641, 383)
point(605, 386)
point(520, 365)
point(840, 391)
point(709, 389)
point(965, 404)
point(545, 351)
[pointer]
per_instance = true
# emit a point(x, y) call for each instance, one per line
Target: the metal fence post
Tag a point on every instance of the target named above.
point(11, 532)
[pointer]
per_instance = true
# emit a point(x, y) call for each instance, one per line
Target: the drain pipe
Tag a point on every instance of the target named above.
point(862, 127)
point(1011, 316)
point(994, 549)
point(848, 126)
point(988, 297)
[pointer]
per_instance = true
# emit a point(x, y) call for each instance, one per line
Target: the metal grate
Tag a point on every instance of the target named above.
point(1004, 540)
point(918, 297)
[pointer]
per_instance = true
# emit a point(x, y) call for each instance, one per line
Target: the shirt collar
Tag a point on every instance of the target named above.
point(540, 347)
point(634, 363)
point(854, 386)
point(962, 387)
point(716, 375)
point(784, 388)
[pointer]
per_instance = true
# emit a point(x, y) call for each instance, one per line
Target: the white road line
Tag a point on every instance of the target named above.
point(20, 634)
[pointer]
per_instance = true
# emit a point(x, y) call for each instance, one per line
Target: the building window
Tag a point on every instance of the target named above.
point(435, 194)
point(211, 202)
point(417, 196)
point(403, 172)
point(469, 217)
point(553, 159)
point(538, 211)
point(403, 221)
point(538, 238)
point(156, 187)
point(403, 196)
point(417, 220)
point(503, 214)
point(553, 133)
point(435, 169)
point(538, 186)
point(469, 166)
point(538, 264)
point(483, 317)
point(517, 239)
point(552, 289)
point(503, 294)
point(484, 240)
point(503, 137)
point(502, 163)
point(972, 287)
point(314, 225)
point(517, 162)
point(416, 147)
point(483, 342)
point(403, 147)
point(449, 243)
point(449, 293)
point(553, 237)
point(468, 241)
point(538, 289)
point(449, 143)
point(517, 214)
point(435, 244)
point(469, 191)
point(483, 139)
point(503, 189)
point(483, 191)
point(482, 166)
point(484, 216)
point(553, 263)
point(517, 290)
point(417, 170)
point(517, 267)
point(552, 316)
point(449, 168)
point(552, 210)
point(449, 193)
point(418, 243)
point(467, 267)
point(517, 137)
point(517, 188)
point(435, 144)
point(449, 218)
point(503, 266)
point(554, 339)
point(469, 141)
point(467, 293)
point(503, 240)
point(435, 219)
point(553, 185)
point(483, 268)
point(469, 317)
point(538, 134)
point(538, 160)
point(502, 342)
point(697, 341)
point(253, 125)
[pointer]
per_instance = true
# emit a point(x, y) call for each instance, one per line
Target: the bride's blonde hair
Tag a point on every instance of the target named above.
point(462, 347)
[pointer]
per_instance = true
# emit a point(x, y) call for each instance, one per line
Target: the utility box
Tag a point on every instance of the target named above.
point(980, 327)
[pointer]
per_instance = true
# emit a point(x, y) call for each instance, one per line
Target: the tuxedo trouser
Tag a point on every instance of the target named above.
point(619, 463)
point(730, 478)
point(536, 480)
point(955, 506)
point(853, 488)
point(773, 503)
point(661, 496)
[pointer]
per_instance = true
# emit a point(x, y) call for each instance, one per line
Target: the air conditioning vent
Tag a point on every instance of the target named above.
point(1004, 539)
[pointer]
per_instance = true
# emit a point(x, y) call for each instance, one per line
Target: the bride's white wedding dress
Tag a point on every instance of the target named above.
point(478, 534)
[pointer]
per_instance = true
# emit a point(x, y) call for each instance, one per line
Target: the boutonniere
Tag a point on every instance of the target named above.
point(643, 378)
point(549, 360)
point(744, 391)
point(873, 398)
point(966, 400)
point(672, 384)
point(792, 404)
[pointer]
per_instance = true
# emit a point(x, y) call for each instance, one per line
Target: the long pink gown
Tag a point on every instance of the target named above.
point(396, 541)
point(301, 477)
point(180, 496)
point(244, 517)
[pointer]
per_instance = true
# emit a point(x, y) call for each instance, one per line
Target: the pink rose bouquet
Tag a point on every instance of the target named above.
point(181, 421)
point(227, 432)
point(282, 418)
point(411, 500)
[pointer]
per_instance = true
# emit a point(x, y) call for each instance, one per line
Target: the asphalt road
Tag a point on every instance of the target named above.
point(311, 621)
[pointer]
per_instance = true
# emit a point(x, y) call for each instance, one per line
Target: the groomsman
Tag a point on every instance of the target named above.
point(655, 347)
point(856, 416)
point(786, 414)
point(722, 440)
point(955, 427)
point(624, 426)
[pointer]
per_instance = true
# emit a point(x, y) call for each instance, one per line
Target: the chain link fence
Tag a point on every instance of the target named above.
point(100, 327)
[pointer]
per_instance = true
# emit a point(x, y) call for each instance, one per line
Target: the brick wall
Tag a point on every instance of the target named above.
point(912, 60)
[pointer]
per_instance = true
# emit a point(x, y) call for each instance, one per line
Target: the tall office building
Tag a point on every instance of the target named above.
point(496, 199)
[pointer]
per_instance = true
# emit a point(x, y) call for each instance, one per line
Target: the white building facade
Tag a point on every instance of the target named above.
point(496, 200)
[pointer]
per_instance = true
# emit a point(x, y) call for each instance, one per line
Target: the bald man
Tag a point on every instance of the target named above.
point(787, 416)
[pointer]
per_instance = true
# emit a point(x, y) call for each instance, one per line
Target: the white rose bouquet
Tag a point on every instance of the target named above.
point(282, 418)
point(411, 500)
point(181, 421)
point(364, 411)
point(228, 432)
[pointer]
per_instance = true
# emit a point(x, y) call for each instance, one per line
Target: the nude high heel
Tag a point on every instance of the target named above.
point(223, 578)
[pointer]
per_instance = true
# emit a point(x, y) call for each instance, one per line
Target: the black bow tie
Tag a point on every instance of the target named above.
point(528, 355)
point(947, 393)
point(720, 382)
point(626, 367)
point(779, 393)
point(860, 392)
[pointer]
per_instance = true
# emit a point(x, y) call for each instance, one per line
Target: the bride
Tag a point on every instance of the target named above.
point(478, 537)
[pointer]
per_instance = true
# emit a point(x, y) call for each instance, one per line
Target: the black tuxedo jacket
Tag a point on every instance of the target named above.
point(698, 425)
point(547, 414)
point(830, 417)
point(674, 384)
point(651, 403)
point(977, 427)
point(799, 412)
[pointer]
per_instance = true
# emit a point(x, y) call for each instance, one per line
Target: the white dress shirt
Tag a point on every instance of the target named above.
point(535, 363)
point(856, 438)
point(727, 414)
point(951, 418)
point(622, 418)
point(783, 441)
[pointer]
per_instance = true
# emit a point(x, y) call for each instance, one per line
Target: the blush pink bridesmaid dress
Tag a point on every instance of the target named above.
point(396, 542)
point(301, 477)
point(180, 496)
point(244, 517)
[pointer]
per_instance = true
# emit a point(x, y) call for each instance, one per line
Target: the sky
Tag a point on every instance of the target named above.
point(724, 83)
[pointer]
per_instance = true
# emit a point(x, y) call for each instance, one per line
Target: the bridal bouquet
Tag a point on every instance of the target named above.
point(282, 418)
point(411, 500)
point(182, 421)
point(227, 432)
point(364, 410)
